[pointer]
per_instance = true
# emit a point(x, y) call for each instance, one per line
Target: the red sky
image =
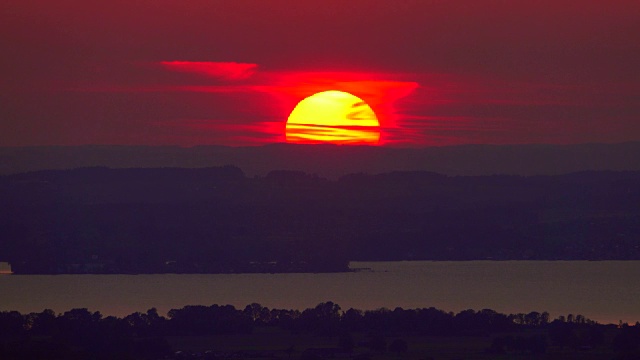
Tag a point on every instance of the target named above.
point(204, 72)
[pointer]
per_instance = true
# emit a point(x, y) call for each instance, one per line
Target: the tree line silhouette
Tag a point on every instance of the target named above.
point(80, 333)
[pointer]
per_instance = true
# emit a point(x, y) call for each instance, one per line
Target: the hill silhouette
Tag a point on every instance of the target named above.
point(101, 220)
point(333, 161)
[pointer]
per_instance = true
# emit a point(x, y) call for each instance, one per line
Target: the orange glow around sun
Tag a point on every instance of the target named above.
point(334, 117)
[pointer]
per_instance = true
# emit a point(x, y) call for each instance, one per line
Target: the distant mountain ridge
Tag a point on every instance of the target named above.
point(218, 220)
point(333, 161)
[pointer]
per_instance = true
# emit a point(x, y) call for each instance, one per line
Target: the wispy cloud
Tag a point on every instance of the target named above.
point(223, 70)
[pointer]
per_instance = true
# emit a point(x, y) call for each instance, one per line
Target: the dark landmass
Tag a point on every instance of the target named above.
point(323, 332)
point(333, 161)
point(217, 220)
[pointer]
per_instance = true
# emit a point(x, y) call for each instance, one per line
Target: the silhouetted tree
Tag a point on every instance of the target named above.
point(323, 319)
point(11, 324)
point(352, 319)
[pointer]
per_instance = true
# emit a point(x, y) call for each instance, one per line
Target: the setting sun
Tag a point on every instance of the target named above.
point(335, 117)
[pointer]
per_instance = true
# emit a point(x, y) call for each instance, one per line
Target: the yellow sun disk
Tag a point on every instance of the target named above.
point(333, 116)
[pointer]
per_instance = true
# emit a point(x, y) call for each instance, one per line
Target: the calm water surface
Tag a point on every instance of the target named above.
point(606, 291)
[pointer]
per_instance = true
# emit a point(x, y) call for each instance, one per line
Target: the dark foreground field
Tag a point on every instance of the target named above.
point(278, 344)
point(323, 332)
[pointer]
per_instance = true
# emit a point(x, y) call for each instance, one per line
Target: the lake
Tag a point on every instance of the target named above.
point(605, 291)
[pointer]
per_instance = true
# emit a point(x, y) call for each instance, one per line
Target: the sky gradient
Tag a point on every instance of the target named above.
point(230, 72)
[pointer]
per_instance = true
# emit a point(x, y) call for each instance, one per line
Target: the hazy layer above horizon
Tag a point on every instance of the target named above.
point(333, 161)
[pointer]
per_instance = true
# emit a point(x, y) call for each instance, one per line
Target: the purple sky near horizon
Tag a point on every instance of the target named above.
point(228, 72)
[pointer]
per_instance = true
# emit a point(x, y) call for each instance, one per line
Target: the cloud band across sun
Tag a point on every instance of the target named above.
point(333, 117)
point(378, 92)
point(191, 103)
